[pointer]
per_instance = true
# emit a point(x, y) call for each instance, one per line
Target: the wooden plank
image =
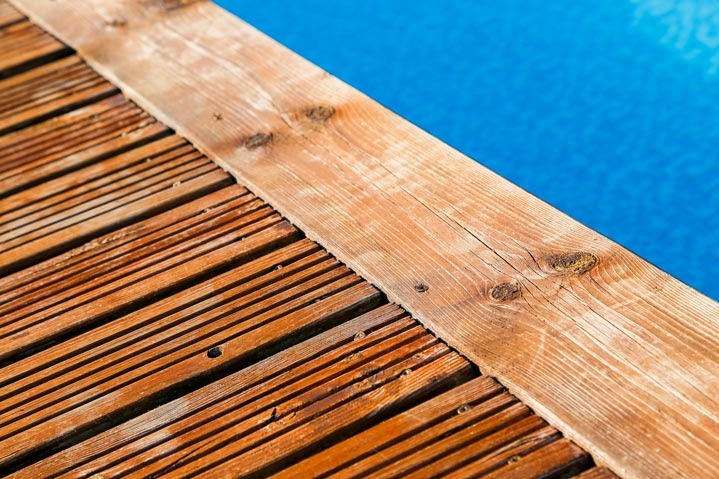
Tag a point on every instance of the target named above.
point(398, 389)
point(117, 385)
point(44, 300)
point(412, 431)
point(493, 450)
point(47, 90)
point(123, 444)
point(54, 216)
point(76, 385)
point(124, 249)
point(557, 458)
point(19, 336)
point(559, 314)
point(360, 372)
point(37, 428)
point(23, 44)
point(9, 15)
point(475, 425)
point(73, 140)
point(90, 346)
point(100, 349)
point(597, 473)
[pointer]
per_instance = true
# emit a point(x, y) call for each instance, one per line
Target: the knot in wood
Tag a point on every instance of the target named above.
point(169, 5)
point(421, 287)
point(257, 140)
point(505, 292)
point(575, 263)
point(116, 22)
point(320, 113)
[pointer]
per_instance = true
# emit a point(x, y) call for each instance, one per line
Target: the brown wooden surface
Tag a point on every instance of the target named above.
point(211, 338)
point(50, 89)
point(9, 15)
point(24, 44)
point(65, 211)
point(278, 398)
point(70, 141)
point(473, 430)
point(598, 473)
point(617, 354)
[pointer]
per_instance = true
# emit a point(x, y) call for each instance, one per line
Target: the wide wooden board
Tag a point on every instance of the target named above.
point(621, 357)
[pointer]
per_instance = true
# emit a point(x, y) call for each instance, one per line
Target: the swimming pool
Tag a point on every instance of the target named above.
point(607, 110)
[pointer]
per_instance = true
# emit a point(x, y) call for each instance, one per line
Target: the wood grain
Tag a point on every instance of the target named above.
point(60, 213)
point(556, 459)
point(617, 354)
point(597, 473)
point(73, 140)
point(293, 383)
point(47, 90)
point(24, 44)
point(143, 315)
point(9, 15)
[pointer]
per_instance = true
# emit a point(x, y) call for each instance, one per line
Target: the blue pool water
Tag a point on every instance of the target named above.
point(608, 110)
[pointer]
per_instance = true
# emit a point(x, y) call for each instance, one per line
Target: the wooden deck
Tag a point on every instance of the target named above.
point(159, 319)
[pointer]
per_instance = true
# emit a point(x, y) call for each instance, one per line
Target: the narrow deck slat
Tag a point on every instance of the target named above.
point(125, 250)
point(73, 140)
point(495, 443)
point(39, 93)
point(63, 212)
point(21, 335)
point(24, 43)
point(276, 389)
point(597, 473)
point(557, 458)
point(556, 312)
point(409, 432)
point(385, 389)
point(48, 419)
point(9, 15)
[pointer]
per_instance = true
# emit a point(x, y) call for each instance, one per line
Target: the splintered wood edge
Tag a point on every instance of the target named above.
point(617, 354)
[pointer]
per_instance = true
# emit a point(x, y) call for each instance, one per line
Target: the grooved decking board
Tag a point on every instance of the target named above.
point(426, 434)
point(73, 140)
point(54, 87)
point(169, 350)
point(157, 320)
point(9, 15)
point(333, 381)
point(24, 43)
point(557, 313)
point(236, 241)
point(597, 473)
point(62, 212)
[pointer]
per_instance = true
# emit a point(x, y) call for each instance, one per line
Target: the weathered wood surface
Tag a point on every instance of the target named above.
point(335, 380)
point(170, 346)
point(24, 44)
point(617, 354)
point(9, 15)
point(73, 140)
point(473, 430)
point(52, 88)
point(68, 210)
point(597, 473)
